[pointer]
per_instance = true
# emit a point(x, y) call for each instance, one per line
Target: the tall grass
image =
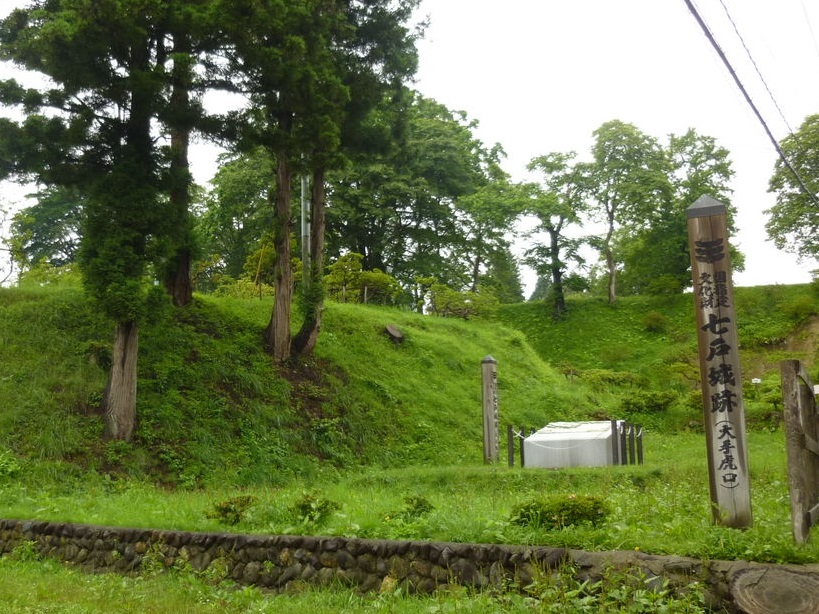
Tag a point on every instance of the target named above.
point(662, 507)
point(34, 586)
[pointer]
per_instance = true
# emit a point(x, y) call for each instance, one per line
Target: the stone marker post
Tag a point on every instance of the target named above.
point(491, 444)
point(721, 380)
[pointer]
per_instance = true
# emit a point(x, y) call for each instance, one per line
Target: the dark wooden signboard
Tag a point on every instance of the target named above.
point(720, 376)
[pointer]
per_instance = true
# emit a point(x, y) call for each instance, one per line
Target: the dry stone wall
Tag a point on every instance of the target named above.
point(280, 561)
point(276, 561)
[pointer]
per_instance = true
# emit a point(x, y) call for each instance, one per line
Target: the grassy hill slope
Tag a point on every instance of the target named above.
point(212, 409)
point(643, 350)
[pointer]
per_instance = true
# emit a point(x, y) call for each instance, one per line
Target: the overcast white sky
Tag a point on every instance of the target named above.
point(542, 75)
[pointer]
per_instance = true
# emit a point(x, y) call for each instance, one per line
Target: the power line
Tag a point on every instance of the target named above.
point(756, 68)
point(810, 28)
point(693, 10)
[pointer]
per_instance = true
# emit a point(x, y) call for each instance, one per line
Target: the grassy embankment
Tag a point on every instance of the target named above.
point(372, 429)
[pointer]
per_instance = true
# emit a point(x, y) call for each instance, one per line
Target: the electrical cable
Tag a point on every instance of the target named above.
point(756, 67)
point(693, 10)
point(810, 29)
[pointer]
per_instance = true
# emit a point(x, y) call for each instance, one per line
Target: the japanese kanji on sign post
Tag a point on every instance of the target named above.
point(720, 376)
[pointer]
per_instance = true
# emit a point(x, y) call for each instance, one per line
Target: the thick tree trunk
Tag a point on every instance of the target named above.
point(178, 273)
point(305, 340)
point(119, 399)
point(277, 334)
point(557, 273)
point(178, 282)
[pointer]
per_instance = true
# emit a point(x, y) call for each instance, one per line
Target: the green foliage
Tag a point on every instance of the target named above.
point(26, 551)
point(619, 590)
point(558, 512)
point(243, 287)
point(656, 322)
point(56, 587)
point(236, 215)
point(314, 509)
point(47, 233)
point(415, 507)
point(648, 402)
point(801, 308)
point(10, 466)
point(793, 224)
point(233, 510)
point(43, 274)
point(348, 282)
point(423, 197)
point(601, 379)
point(446, 302)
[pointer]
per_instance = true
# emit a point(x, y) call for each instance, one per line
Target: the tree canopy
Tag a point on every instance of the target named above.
point(794, 221)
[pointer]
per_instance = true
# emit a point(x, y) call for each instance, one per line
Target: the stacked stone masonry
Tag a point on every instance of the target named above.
point(280, 561)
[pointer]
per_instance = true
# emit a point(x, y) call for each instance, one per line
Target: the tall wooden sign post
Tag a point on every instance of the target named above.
point(489, 388)
point(723, 411)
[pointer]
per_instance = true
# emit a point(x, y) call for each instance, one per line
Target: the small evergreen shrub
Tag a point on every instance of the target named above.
point(558, 512)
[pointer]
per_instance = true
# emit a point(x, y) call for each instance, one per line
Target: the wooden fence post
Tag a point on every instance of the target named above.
point(510, 444)
point(720, 376)
point(624, 443)
point(489, 371)
point(615, 444)
point(799, 407)
point(639, 444)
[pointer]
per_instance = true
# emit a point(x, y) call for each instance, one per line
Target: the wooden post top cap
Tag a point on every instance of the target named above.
point(705, 206)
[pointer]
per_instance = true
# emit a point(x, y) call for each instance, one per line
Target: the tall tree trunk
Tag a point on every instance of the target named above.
point(178, 273)
point(119, 399)
point(277, 334)
point(476, 264)
point(557, 272)
point(305, 340)
point(178, 282)
point(611, 265)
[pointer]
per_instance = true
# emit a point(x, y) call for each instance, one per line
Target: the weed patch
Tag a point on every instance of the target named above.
point(559, 512)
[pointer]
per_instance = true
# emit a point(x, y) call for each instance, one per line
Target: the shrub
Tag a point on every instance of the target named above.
point(559, 512)
point(619, 590)
point(233, 510)
point(602, 379)
point(656, 322)
point(312, 508)
point(415, 506)
point(9, 465)
point(648, 402)
point(26, 552)
point(800, 308)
